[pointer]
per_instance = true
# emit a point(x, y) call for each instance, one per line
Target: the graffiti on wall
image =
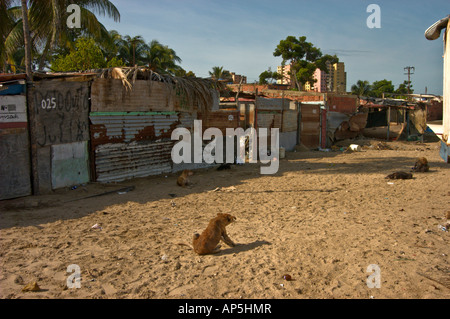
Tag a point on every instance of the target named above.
point(61, 111)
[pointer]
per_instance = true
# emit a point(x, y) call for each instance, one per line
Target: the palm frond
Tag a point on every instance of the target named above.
point(102, 7)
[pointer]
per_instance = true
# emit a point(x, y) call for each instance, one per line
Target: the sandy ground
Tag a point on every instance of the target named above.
point(323, 219)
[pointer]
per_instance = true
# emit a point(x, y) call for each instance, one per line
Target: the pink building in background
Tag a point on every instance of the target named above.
point(321, 81)
point(320, 85)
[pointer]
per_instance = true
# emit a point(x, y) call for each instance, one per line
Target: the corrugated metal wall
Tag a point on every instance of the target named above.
point(111, 127)
point(131, 129)
point(222, 119)
point(15, 164)
point(290, 121)
point(132, 144)
point(269, 113)
point(122, 161)
point(269, 119)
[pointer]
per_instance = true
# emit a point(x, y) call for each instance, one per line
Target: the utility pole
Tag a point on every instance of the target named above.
point(409, 73)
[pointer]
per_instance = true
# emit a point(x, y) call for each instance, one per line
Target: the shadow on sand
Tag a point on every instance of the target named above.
point(239, 248)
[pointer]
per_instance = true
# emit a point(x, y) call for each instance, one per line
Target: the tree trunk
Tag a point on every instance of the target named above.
point(27, 40)
point(44, 56)
point(56, 26)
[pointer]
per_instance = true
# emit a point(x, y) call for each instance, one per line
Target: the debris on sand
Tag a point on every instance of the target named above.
point(32, 286)
point(400, 175)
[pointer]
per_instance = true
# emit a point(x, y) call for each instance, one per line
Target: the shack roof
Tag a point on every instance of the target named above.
point(7, 77)
point(200, 89)
point(385, 102)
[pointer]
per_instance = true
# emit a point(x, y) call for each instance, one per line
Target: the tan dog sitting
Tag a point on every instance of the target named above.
point(421, 165)
point(183, 179)
point(207, 242)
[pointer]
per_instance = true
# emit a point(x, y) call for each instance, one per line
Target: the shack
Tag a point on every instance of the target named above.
point(67, 129)
point(58, 107)
point(15, 168)
point(395, 118)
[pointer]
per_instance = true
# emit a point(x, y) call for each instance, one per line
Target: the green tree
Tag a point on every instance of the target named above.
point(86, 56)
point(6, 25)
point(182, 73)
point(269, 75)
point(111, 44)
point(12, 45)
point(361, 88)
point(47, 25)
point(403, 88)
point(162, 59)
point(304, 59)
point(132, 50)
point(380, 87)
point(218, 73)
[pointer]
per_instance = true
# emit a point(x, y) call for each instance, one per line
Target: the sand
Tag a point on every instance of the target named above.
point(323, 219)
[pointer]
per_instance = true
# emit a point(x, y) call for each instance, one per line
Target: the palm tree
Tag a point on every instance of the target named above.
point(26, 40)
point(47, 26)
point(10, 31)
point(218, 73)
point(162, 59)
point(111, 44)
point(132, 49)
point(361, 88)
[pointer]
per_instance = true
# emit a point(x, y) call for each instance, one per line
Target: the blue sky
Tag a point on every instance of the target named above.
point(242, 35)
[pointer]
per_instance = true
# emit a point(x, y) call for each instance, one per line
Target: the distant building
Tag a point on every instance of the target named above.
point(237, 78)
point(339, 78)
point(284, 70)
point(320, 85)
point(334, 81)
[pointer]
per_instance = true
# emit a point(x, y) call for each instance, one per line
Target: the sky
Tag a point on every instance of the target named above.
point(242, 35)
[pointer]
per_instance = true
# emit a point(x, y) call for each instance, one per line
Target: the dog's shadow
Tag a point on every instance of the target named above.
point(239, 248)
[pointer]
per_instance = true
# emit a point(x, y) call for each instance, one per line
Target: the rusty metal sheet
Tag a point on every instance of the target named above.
point(134, 144)
point(222, 120)
point(186, 120)
point(343, 104)
point(122, 161)
point(120, 127)
point(269, 119)
point(310, 125)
